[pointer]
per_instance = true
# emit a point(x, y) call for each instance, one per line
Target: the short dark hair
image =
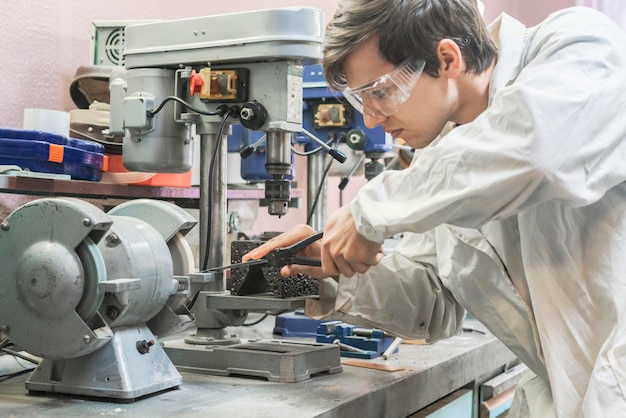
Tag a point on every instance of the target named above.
point(406, 28)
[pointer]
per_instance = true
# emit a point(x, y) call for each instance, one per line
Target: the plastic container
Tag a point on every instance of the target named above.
point(50, 153)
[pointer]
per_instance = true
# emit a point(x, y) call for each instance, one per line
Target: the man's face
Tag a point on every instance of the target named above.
point(420, 118)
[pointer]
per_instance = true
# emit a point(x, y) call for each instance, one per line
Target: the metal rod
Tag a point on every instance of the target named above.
point(392, 347)
point(315, 171)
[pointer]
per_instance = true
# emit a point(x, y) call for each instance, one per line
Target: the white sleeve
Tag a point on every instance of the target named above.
point(401, 295)
point(554, 132)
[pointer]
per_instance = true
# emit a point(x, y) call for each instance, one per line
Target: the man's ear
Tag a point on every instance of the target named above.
point(450, 58)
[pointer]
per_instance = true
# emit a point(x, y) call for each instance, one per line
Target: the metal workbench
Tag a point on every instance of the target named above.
point(430, 373)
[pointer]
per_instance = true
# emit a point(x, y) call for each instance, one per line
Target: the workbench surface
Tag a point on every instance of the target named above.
point(430, 373)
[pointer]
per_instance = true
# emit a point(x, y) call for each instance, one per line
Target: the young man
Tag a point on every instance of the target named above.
point(517, 214)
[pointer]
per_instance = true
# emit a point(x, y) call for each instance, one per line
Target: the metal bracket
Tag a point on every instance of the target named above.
point(120, 288)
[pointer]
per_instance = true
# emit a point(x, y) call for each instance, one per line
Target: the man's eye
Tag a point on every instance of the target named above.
point(378, 94)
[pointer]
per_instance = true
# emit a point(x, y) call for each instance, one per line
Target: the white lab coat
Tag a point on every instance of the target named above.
point(518, 217)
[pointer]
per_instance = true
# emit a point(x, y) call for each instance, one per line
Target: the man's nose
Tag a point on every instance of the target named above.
point(372, 121)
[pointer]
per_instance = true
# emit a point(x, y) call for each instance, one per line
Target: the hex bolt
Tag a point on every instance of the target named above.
point(86, 339)
point(246, 113)
point(144, 346)
point(112, 240)
point(86, 221)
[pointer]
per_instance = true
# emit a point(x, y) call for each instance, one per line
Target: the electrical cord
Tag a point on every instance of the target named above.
point(258, 321)
point(5, 377)
point(323, 179)
point(319, 191)
point(193, 300)
point(16, 356)
point(225, 116)
point(225, 112)
point(151, 113)
point(263, 318)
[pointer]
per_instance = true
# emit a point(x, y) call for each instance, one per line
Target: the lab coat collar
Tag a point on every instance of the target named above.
point(509, 36)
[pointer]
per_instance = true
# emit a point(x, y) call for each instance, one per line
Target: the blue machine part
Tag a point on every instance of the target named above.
point(252, 167)
point(296, 324)
point(327, 115)
point(370, 346)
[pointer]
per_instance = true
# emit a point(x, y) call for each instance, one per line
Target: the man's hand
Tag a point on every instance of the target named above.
point(295, 234)
point(344, 250)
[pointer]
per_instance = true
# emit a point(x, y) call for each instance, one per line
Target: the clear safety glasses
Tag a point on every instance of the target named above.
point(383, 96)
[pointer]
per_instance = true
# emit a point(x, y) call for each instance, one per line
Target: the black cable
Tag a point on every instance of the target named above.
point(205, 261)
point(319, 188)
point(319, 191)
point(151, 113)
point(3, 344)
point(193, 300)
point(207, 248)
point(5, 377)
point(16, 354)
point(258, 321)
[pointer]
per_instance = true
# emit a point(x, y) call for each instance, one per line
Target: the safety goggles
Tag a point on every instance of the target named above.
point(383, 96)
